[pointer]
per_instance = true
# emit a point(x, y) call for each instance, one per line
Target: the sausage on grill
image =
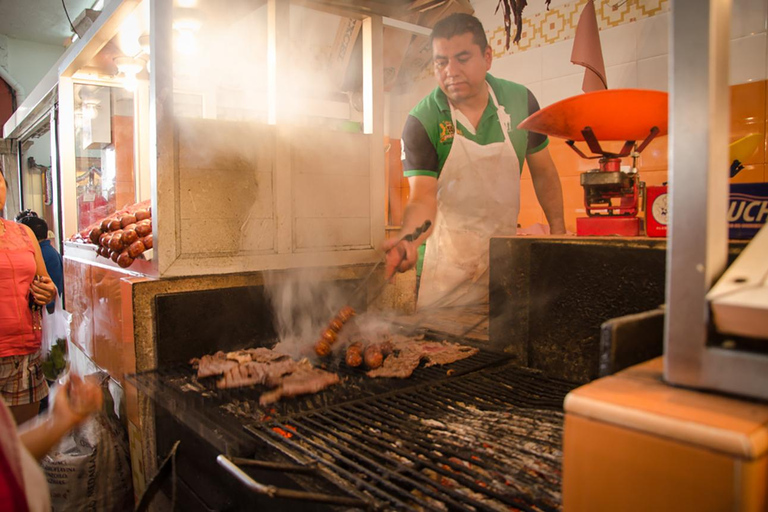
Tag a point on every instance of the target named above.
point(373, 356)
point(355, 355)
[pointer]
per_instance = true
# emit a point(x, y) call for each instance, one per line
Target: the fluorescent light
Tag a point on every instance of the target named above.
point(99, 5)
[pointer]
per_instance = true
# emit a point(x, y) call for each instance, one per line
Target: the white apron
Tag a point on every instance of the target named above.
point(478, 196)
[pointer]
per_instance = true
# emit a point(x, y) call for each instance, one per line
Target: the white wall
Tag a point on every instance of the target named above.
point(28, 62)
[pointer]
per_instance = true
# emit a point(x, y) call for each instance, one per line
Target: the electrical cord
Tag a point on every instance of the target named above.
point(69, 19)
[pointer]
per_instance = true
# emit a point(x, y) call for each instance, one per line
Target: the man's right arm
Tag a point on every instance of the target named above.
point(420, 165)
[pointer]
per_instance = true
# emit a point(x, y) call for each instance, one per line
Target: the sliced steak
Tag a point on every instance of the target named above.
point(215, 364)
point(222, 362)
point(304, 381)
point(264, 355)
point(408, 353)
point(399, 364)
point(250, 373)
point(447, 353)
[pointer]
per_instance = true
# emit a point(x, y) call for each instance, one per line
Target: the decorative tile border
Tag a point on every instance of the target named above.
point(559, 23)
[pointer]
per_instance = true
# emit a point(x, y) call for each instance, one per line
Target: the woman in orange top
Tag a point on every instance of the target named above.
point(24, 284)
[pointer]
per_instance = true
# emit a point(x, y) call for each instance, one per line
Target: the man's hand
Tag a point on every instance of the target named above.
point(43, 290)
point(401, 256)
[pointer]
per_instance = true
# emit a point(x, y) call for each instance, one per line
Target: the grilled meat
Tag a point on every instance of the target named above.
point(301, 382)
point(250, 373)
point(215, 364)
point(354, 356)
point(407, 355)
point(221, 362)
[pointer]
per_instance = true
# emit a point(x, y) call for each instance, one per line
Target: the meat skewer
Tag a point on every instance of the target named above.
point(328, 336)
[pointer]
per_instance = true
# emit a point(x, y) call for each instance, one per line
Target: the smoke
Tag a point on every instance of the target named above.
point(304, 302)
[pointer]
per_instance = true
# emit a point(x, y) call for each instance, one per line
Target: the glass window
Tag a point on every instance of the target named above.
point(104, 151)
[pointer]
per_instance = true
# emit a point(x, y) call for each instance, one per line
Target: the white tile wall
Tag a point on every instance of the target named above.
point(636, 55)
point(748, 59)
point(619, 44)
point(653, 36)
point(653, 73)
point(623, 76)
point(557, 89)
point(524, 67)
point(556, 60)
point(748, 17)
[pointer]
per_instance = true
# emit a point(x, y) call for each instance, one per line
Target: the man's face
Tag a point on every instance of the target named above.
point(460, 67)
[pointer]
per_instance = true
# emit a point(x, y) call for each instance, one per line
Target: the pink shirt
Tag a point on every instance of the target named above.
point(17, 270)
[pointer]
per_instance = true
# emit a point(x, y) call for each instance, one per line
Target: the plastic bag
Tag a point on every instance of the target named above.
point(90, 468)
point(55, 326)
point(55, 333)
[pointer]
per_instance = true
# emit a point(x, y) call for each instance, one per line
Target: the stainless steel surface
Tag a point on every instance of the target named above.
point(699, 120)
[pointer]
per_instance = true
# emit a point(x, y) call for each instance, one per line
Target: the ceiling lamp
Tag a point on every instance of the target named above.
point(129, 68)
point(186, 23)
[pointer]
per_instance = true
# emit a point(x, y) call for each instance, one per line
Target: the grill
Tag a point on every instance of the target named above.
point(476, 434)
point(219, 414)
point(486, 441)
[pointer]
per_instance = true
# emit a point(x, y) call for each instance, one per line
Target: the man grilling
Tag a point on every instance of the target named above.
point(462, 155)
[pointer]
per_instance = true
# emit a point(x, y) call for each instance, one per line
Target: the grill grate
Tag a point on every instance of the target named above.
point(219, 414)
point(485, 441)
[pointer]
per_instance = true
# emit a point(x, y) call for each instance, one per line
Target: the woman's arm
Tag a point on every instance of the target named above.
point(75, 400)
point(43, 289)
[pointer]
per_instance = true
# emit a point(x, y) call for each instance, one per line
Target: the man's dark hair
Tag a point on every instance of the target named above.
point(38, 226)
point(457, 24)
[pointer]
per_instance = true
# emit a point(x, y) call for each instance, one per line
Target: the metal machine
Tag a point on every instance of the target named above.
point(611, 194)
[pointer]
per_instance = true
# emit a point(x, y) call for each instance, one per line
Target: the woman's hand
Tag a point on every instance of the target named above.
point(76, 399)
point(43, 290)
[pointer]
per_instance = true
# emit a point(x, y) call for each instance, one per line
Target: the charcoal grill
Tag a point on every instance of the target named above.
point(476, 434)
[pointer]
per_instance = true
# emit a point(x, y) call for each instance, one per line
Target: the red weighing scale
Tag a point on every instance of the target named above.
point(611, 194)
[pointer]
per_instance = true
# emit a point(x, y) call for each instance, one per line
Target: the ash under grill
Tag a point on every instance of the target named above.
point(490, 440)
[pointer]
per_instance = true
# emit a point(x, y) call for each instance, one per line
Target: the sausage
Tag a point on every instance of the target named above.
point(114, 224)
point(105, 225)
point(104, 239)
point(148, 241)
point(135, 249)
point(142, 214)
point(143, 228)
point(127, 219)
point(129, 236)
point(336, 324)
point(124, 259)
point(116, 242)
point(373, 357)
point(329, 336)
point(354, 355)
point(94, 235)
point(113, 255)
point(322, 348)
point(346, 313)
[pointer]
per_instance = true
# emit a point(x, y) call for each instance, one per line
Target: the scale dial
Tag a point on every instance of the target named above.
point(659, 209)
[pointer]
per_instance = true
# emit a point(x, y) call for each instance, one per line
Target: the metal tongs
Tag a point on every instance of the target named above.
point(410, 237)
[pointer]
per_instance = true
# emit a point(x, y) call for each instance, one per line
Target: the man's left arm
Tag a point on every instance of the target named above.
point(549, 192)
